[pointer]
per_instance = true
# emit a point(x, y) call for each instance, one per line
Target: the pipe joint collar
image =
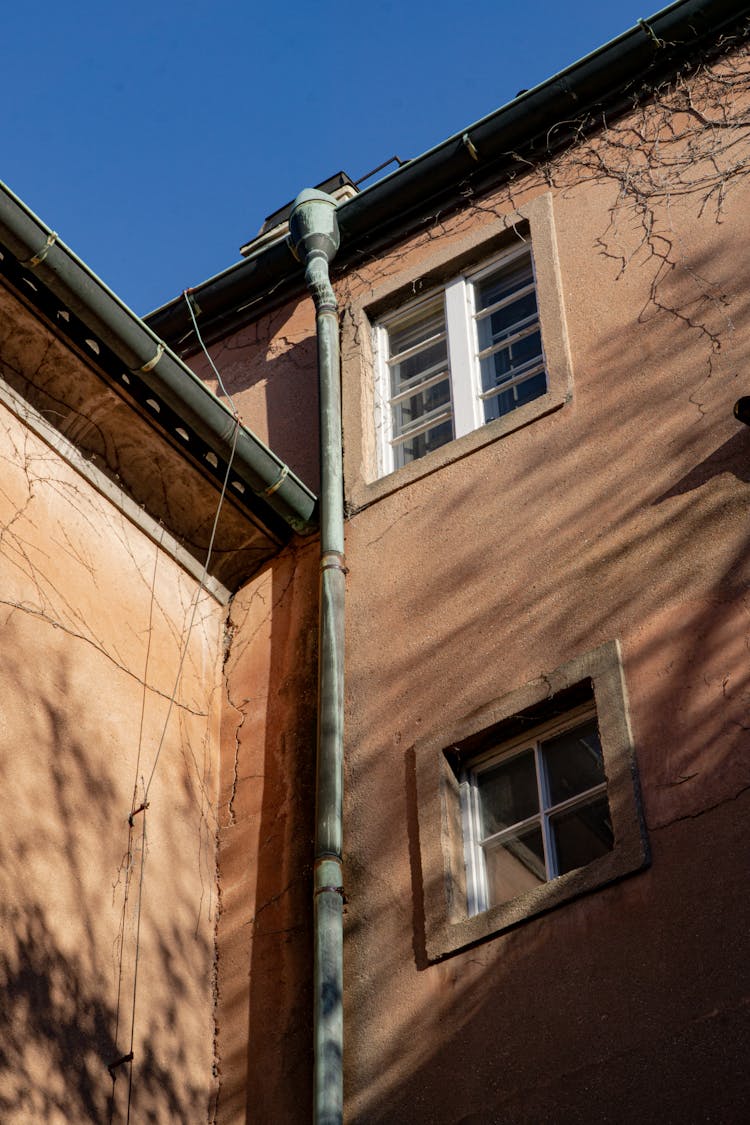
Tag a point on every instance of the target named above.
point(328, 873)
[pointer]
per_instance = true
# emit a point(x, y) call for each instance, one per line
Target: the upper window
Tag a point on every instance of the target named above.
point(458, 359)
point(534, 809)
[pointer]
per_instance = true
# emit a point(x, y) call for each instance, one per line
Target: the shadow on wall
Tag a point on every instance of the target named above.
point(61, 907)
point(266, 851)
point(281, 968)
point(270, 370)
point(623, 515)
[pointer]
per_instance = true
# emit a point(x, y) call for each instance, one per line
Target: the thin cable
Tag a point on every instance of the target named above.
point(214, 368)
point(199, 591)
point(135, 968)
point(209, 552)
point(196, 598)
point(129, 852)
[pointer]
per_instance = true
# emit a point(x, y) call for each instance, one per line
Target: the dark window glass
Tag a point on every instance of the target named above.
point(582, 834)
point(508, 793)
point(573, 762)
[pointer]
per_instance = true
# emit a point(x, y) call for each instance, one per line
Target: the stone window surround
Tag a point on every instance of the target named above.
point(489, 236)
point(448, 926)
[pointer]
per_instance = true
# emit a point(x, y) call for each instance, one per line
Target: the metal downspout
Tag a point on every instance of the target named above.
point(315, 238)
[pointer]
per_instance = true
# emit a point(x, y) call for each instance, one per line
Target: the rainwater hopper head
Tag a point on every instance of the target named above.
point(313, 225)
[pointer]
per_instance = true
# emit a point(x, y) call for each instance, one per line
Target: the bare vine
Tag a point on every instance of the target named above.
point(679, 145)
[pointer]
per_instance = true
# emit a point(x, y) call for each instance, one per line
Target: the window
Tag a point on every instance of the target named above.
point(462, 357)
point(527, 803)
point(451, 343)
point(534, 809)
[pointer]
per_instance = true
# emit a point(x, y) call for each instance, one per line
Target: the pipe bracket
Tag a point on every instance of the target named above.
point(160, 349)
point(278, 482)
point(38, 258)
point(333, 890)
point(333, 560)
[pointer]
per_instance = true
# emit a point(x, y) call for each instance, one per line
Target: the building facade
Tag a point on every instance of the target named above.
point(544, 331)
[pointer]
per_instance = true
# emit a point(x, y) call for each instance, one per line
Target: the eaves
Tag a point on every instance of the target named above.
point(530, 127)
point(134, 418)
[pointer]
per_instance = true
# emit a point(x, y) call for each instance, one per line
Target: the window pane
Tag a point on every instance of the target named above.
point(573, 762)
point(582, 835)
point(411, 409)
point(507, 793)
point(516, 396)
point(506, 321)
point(503, 364)
point(432, 356)
point(503, 282)
point(421, 325)
point(515, 866)
point(423, 443)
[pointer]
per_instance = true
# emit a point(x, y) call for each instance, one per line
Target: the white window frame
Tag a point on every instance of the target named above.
point(477, 890)
point(467, 397)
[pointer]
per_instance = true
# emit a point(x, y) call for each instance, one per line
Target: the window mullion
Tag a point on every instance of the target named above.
point(460, 356)
point(550, 859)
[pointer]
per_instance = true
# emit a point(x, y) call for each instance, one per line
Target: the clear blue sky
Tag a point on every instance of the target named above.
point(155, 137)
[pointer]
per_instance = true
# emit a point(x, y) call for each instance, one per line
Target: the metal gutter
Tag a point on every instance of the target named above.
point(275, 488)
point(474, 158)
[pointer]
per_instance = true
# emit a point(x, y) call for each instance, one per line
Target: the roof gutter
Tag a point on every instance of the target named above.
point(141, 351)
point(533, 124)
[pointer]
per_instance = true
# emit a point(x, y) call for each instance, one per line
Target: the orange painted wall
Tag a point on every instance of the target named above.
point(92, 618)
point(624, 514)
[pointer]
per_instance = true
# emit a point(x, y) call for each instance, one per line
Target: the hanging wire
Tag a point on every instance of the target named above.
point(135, 967)
point(146, 788)
point(129, 852)
point(214, 368)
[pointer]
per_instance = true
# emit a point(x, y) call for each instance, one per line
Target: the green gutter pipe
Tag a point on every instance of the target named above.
point(607, 79)
point(139, 349)
point(314, 237)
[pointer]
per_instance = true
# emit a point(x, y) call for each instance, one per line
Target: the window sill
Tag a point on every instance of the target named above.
point(361, 494)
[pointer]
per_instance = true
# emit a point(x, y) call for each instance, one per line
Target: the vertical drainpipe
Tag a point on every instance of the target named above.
point(314, 238)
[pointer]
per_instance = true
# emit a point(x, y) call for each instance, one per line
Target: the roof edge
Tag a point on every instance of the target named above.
point(392, 206)
point(274, 487)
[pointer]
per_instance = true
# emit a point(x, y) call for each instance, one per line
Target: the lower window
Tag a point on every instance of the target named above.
point(527, 803)
point(534, 809)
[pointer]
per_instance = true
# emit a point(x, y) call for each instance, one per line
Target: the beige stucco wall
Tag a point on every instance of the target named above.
point(93, 617)
point(621, 515)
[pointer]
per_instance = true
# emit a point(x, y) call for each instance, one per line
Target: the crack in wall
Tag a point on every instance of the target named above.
point(700, 812)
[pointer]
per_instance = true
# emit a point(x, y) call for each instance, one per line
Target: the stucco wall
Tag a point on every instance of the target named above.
point(266, 848)
point(621, 515)
point(93, 617)
point(268, 368)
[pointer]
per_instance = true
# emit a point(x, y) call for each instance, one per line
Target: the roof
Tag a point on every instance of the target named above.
point(132, 416)
point(609, 78)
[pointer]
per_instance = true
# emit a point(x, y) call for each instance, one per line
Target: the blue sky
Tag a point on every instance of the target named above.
point(155, 137)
